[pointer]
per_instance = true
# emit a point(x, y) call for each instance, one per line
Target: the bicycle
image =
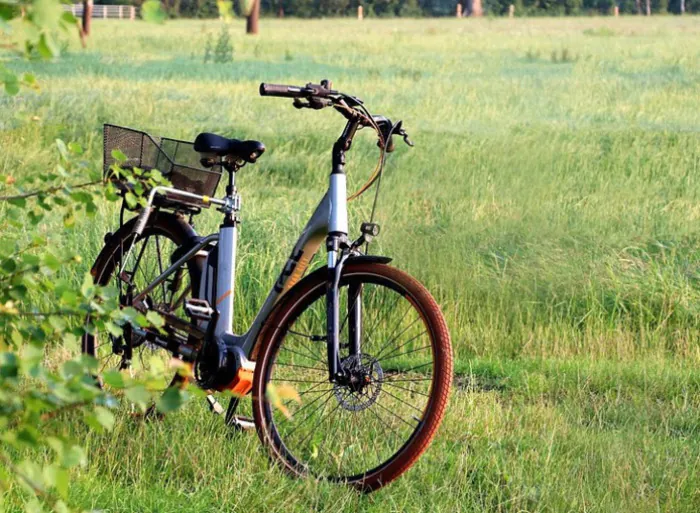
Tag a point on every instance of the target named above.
point(364, 345)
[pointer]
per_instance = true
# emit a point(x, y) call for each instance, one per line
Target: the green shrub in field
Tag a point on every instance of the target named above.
point(221, 51)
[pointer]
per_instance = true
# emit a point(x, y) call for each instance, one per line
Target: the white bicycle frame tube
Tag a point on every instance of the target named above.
point(225, 279)
point(330, 216)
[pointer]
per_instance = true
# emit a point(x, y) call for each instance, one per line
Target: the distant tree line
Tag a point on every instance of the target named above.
point(392, 8)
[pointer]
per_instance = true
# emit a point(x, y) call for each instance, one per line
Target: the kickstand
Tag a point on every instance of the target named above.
point(237, 422)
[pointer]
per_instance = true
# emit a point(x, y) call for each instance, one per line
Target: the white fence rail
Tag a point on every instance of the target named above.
point(125, 12)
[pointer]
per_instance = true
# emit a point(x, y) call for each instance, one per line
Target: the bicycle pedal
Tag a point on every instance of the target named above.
point(214, 405)
point(199, 309)
point(241, 423)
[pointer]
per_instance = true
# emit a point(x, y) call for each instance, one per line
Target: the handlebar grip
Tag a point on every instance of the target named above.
point(284, 91)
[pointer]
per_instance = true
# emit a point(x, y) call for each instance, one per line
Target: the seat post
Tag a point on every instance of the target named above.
point(231, 183)
point(232, 198)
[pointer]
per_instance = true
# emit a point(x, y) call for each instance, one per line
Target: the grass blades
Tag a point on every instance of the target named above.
point(550, 205)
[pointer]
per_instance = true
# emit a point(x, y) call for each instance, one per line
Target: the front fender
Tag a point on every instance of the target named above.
point(375, 259)
point(319, 275)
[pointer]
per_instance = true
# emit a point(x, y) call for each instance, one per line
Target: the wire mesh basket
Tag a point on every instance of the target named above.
point(175, 159)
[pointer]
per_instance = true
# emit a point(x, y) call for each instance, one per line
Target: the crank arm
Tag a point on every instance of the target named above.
point(172, 345)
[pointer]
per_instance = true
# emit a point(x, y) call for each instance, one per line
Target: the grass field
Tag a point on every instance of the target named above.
point(551, 204)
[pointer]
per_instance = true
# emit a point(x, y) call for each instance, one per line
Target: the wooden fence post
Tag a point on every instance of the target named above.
point(459, 10)
point(616, 11)
point(132, 14)
point(360, 14)
point(511, 10)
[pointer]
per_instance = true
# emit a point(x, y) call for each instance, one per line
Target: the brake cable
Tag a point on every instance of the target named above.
point(369, 120)
point(382, 157)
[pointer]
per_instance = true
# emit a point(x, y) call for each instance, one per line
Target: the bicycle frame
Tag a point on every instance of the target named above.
point(329, 221)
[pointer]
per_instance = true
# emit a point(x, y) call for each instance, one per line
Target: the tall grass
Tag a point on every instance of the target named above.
point(551, 205)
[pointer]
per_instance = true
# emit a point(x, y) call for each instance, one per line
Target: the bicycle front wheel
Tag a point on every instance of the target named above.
point(369, 431)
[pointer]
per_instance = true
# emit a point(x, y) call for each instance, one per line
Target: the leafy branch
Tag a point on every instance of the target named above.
point(49, 190)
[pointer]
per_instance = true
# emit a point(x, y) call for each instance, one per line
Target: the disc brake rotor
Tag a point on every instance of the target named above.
point(365, 377)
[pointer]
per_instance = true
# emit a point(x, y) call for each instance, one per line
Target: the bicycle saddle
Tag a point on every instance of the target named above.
point(213, 144)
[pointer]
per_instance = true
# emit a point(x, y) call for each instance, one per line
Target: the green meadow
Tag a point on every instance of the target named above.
point(551, 204)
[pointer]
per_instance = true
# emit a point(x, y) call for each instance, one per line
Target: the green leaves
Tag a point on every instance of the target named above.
point(171, 400)
point(43, 299)
point(225, 8)
point(12, 83)
point(152, 12)
point(47, 47)
point(57, 477)
point(68, 18)
point(119, 156)
point(154, 319)
point(45, 14)
point(114, 379)
point(139, 395)
point(279, 394)
point(100, 419)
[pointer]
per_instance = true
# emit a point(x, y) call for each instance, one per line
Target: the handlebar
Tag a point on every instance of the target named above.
point(318, 96)
point(283, 91)
point(322, 90)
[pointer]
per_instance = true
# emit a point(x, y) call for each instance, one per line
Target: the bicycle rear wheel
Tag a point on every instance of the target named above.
point(150, 255)
point(368, 432)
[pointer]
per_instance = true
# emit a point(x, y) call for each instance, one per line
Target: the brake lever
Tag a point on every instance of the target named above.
point(312, 103)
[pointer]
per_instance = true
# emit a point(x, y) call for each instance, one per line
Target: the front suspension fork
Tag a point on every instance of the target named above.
point(335, 267)
point(354, 316)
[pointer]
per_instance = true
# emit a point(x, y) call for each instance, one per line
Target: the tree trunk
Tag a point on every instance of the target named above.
point(280, 10)
point(251, 26)
point(682, 7)
point(476, 10)
point(638, 5)
point(87, 16)
point(648, 7)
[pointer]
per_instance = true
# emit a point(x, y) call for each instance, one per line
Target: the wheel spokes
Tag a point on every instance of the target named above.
point(147, 261)
point(345, 429)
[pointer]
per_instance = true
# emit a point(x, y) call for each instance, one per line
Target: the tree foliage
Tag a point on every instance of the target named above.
point(42, 305)
point(414, 8)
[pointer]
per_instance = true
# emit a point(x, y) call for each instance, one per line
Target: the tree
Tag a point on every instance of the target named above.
point(87, 16)
point(251, 26)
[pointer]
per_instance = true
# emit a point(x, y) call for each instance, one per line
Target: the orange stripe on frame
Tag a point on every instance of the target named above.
point(308, 253)
point(224, 296)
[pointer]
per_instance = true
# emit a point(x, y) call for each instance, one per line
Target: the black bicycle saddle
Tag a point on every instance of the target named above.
point(220, 146)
